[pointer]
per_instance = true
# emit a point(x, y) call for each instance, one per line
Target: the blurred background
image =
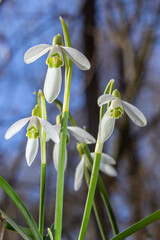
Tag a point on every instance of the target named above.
point(121, 38)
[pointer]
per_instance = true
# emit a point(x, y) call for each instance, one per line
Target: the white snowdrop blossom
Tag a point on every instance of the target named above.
point(79, 134)
point(105, 166)
point(33, 131)
point(53, 80)
point(114, 111)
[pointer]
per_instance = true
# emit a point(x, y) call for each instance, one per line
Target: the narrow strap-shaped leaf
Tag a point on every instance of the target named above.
point(137, 226)
point(15, 226)
point(25, 229)
point(18, 202)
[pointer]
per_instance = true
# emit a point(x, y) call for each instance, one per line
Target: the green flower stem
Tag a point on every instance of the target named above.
point(63, 135)
point(42, 199)
point(90, 196)
point(95, 207)
point(41, 101)
point(108, 90)
point(137, 226)
point(60, 178)
point(104, 194)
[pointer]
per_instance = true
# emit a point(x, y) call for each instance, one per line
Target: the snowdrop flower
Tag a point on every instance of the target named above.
point(114, 111)
point(52, 85)
point(105, 166)
point(80, 135)
point(33, 131)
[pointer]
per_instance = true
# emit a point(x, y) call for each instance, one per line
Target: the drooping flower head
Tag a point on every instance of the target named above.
point(55, 61)
point(116, 108)
point(105, 166)
point(78, 133)
point(33, 132)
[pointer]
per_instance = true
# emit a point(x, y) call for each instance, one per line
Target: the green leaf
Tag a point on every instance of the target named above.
point(15, 226)
point(52, 231)
point(18, 202)
point(137, 226)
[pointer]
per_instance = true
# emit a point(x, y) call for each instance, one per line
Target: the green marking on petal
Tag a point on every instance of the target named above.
point(32, 133)
point(116, 112)
point(58, 40)
point(55, 61)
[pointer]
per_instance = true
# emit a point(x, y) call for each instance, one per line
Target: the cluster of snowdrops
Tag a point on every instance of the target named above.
point(41, 130)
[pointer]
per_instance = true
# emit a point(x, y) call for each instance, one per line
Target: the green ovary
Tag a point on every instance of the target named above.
point(55, 61)
point(116, 112)
point(32, 133)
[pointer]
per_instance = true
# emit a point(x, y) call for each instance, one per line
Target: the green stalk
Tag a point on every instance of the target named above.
point(137, 226)
point(90, 196)
point(95, 207)
point(60, 178)
point(104, 194)
point(41, 101)
point(63, 135)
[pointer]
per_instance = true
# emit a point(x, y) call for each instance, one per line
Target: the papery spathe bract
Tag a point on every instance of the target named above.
point(114, 111)
point(52, 85)
point(105, 166)
point(33, 131)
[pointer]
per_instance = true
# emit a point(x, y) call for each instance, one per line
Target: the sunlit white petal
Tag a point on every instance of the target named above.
point(105, 98)
point(105, 159)
point(77, 57)
point(106, 127)
point(81, 135)
point(36, 52)
point(50, 130)
point(79, 175)
point(55, 156)
point(16, 127)
point(31, 150)
point(108, 169)
point(52, 85)
point(134, 114)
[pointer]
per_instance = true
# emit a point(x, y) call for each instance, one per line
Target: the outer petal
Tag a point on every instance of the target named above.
point(106, 127)
point(81, 135)
point(52, 85)
point(107, 169)
point(16, 127)
point(50, 130)
point(55, 156)
point(36, 52)
point(79, 175)
point(134, 114)
point(31, 150)
point(105, 98)
point(105, 158)
point(77, 57)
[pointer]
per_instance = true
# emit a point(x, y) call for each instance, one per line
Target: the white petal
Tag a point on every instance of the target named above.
point(36, 52)
point(77, 57)
point(81, 135)
point(105, 158)
point(105, 98)
point(55, 156)
point(16, 127)
point(52, 85)
point(106, 127)
point(31, 150)
point(134, 114)
point(107, 169)
point(79, 175)
point(50, 130)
